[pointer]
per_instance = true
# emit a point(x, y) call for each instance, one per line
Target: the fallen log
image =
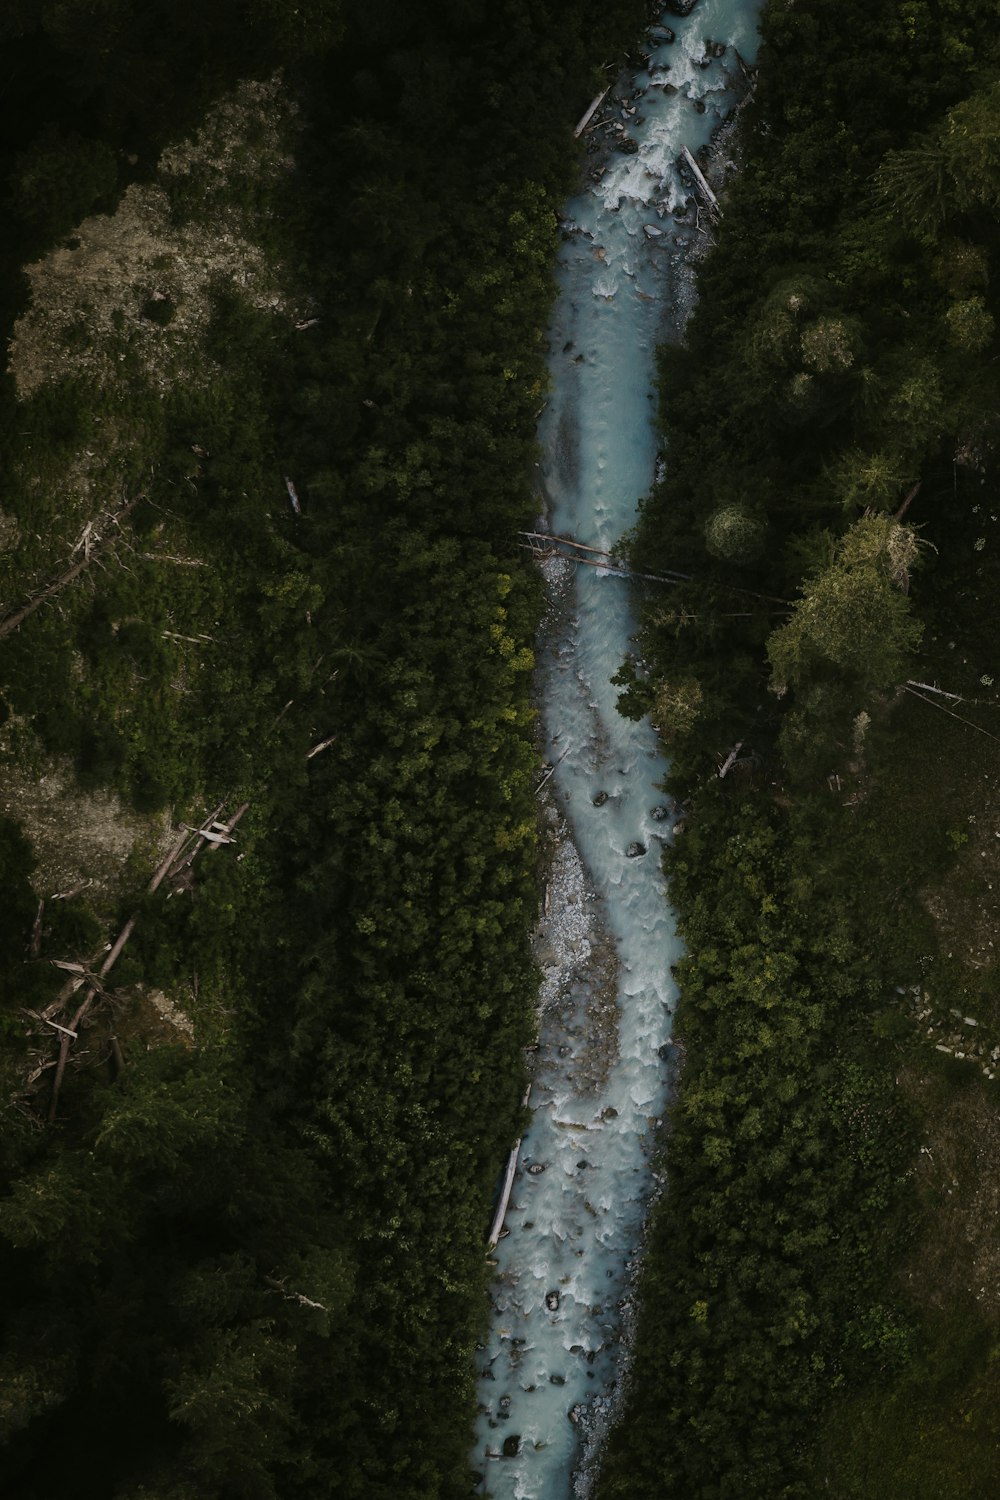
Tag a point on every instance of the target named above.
point(730, 759)
point(955, 697)
point(701, 181)
point(64, 1029)
point(508, 1184)
point(590, 112)
point(11, 622)
point(552, 768)
point(321, 746)
point(35, 945)
point(70, 1032)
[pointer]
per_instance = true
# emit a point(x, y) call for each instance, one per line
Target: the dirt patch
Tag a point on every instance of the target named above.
point(966, 907)
point(86, 841)
point(135, 288)
point(959, 1186)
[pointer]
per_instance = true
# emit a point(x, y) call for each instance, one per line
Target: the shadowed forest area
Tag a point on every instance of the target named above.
point(267, 435)
point(274, 279)
point(819, 1311)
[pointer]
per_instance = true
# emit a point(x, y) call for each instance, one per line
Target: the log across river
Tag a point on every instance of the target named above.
point(557, 1347)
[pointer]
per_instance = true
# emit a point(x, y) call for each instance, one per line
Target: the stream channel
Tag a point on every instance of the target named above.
point(564, 1277)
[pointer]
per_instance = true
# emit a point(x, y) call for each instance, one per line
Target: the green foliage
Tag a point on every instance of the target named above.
point(970, 325)
point(274, 1232)
point(782, 1147)
point(852, 616)
point(734, 535)
point(676, 708)
point(837, 377)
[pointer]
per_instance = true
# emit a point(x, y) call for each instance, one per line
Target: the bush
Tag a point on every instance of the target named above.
point(734, 535)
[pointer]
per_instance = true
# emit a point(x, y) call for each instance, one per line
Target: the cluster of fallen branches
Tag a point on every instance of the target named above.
point(213, 833)
point(85, 551)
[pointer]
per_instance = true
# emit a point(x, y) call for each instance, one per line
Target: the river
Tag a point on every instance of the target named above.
point(557, 1346)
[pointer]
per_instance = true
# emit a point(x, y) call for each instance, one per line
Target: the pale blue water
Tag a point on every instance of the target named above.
point(574, 1229)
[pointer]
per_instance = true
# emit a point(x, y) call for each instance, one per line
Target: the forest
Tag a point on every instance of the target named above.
point(818, 1309)
point(274, 281)
point(266, 438)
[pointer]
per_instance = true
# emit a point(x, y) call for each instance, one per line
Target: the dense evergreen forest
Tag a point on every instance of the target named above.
point(819, 1311)
point(274, 279)
point(267, 432)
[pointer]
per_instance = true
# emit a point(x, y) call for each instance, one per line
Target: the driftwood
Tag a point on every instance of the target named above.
point(552, 768)
point(11, 622)
point(701, 181)
point(508, 1184)
point(590, 112)
point(293, 496)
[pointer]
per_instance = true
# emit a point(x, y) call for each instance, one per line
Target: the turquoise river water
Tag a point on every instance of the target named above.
point(557, 1348)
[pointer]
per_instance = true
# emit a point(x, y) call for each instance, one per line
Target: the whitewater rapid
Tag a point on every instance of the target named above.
point(556, 1347)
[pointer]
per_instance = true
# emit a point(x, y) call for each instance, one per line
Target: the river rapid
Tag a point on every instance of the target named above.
point(557, 1347)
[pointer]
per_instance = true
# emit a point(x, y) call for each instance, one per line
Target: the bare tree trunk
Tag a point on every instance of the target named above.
point(508, 1184)
point(589, 113)
point(701, 180)
point(11, 622)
